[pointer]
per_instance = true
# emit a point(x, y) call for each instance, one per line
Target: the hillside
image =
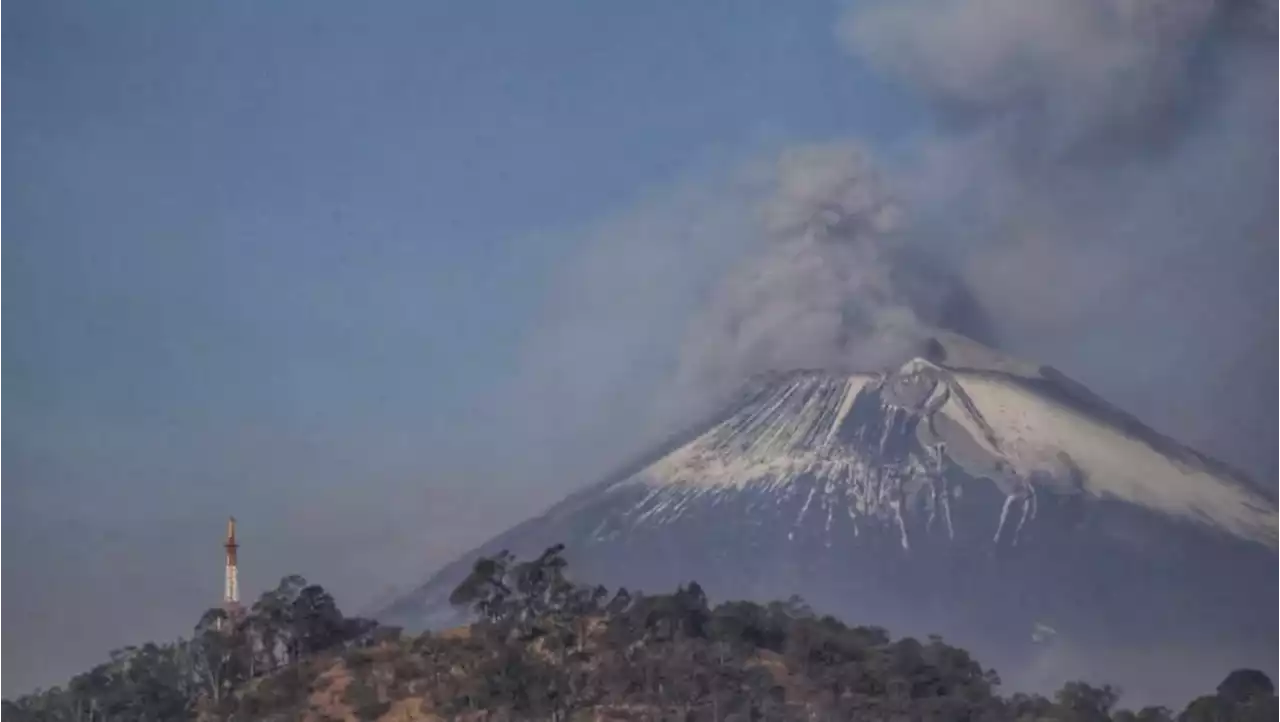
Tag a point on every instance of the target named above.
point(547, 649)
point(963, 493)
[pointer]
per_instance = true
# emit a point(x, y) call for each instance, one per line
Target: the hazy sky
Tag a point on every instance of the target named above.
point(264, 258)
point(381, 280)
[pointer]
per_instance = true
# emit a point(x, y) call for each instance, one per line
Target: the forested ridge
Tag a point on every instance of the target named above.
point(545, 648)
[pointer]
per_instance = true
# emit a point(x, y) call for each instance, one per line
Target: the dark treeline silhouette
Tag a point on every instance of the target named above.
point(544, 648)
point(176, 681)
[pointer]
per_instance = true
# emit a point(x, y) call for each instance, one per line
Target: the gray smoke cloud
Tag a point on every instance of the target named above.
point(1096, 191)
point(833, 285)
point(1103, 176)
point(791, 258)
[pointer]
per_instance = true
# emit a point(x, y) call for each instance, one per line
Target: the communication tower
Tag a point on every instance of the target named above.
point(231, 586)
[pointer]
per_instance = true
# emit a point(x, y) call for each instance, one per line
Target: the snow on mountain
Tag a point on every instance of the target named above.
point(963, 492)
point(1022, 433)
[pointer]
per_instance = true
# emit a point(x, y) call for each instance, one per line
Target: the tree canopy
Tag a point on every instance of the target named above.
point(226, 651)
point(544, 647)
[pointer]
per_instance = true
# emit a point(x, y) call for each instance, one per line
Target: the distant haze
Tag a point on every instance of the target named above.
point(382, 282)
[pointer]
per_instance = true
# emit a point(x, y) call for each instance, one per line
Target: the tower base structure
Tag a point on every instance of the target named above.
point(231, 579)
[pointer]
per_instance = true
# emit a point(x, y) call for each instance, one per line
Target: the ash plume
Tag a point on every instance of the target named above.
point(1103, 175)
point(1096, 190)
point(834, 285)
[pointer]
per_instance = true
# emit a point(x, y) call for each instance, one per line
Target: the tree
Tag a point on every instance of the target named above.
point(1146, 714)
point(1243, 686)
point(580, 607)
point(1082, 702)
point(316, 624)
point(1209, 708)
point(363, 631)
point(153, 682)
point(485, 589)
point(1259, 709)
point(156, 682)
point(1028, 708)
point(548, 649)
point(14, 712)
point(216, 653)
point(540, 585)
point(620, 603)
point(746, 625)
point(271, 621)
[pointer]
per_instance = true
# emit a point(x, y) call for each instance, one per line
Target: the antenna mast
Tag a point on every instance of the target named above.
point(231, 590)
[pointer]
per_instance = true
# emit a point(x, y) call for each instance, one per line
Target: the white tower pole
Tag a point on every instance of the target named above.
point(231, 589)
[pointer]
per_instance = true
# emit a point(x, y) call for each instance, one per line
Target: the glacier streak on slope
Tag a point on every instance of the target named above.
point(970, 494)
point(884, 446)
point(1034, 429)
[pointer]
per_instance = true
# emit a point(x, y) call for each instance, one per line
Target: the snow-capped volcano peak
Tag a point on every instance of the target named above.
point(881, 445)
point(960, 492)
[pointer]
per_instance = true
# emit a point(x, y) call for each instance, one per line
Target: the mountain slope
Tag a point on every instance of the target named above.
point(881, 445)
point(963, 493)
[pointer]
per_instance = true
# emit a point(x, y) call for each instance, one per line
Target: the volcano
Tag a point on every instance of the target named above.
point(963, 493)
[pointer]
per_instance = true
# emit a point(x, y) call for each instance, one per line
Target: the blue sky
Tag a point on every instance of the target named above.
point(263, 259)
